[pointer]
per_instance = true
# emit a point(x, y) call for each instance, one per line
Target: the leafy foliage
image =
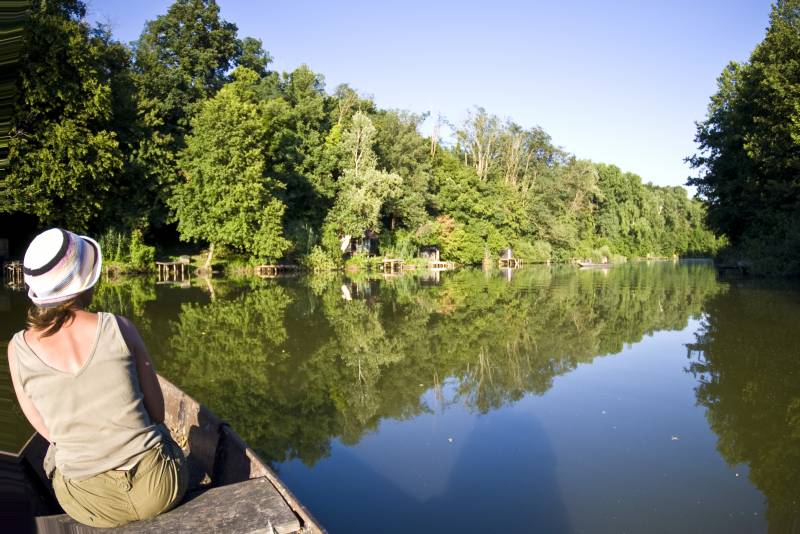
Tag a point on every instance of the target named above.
point(127, 249)
point(271, 165)
point(64, 154)
point(226, 198)
point(181, 59)
point(363, 189)
point(750, 149)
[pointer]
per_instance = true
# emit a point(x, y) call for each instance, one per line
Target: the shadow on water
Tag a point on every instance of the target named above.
point(495, 484)
point(504, 481)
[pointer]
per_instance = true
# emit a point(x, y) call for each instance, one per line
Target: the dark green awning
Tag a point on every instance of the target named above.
point(13, 15)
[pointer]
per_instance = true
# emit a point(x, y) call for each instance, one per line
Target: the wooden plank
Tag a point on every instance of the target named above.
point(246, 507)
point(216, 453)
point(237, 460)
point(194, 428)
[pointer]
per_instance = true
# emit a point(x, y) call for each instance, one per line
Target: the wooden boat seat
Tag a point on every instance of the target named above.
point(250, 506)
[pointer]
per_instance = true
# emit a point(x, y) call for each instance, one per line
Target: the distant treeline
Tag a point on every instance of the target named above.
point(189, 129)
point(749, 163)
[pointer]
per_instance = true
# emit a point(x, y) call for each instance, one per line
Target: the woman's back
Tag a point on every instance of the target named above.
point(68, 349)
point(97, 420)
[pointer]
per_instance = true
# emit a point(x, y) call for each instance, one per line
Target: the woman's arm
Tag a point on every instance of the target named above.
point(148, 381)
point(30, 411)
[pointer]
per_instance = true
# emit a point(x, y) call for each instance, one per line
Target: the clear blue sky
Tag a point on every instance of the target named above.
point(619, 82)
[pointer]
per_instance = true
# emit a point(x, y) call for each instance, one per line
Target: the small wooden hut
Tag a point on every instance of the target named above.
point(430, 253)
point(366, 244)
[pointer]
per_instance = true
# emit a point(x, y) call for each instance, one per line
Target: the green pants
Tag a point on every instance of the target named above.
point(155, 485)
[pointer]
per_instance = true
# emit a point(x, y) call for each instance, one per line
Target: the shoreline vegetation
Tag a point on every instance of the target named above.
point(186, 141)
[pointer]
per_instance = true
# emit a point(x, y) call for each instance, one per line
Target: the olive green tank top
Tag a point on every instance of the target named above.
point(96, 418)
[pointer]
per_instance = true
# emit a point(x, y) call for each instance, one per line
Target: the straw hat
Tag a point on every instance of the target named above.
point(59, 265)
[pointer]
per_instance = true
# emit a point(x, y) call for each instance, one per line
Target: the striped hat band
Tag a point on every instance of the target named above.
point(59, 265)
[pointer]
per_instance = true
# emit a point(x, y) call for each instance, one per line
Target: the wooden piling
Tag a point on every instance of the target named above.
point(392, 265)
point(12, 274)
point(173, 271)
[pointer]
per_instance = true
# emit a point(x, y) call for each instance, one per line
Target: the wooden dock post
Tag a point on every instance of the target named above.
point(12, 273)
point(272, 270)
point(392, 265)
point(173, 271)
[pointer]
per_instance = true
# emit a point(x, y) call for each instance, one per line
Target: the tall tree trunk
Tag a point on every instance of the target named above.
point(207, 265)
point(210, 287)
point(434, 138)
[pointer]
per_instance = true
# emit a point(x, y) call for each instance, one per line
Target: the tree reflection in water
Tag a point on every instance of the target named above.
point(292, 364)
point(747, 362)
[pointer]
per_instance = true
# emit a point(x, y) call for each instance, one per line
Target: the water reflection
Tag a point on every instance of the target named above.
point(293, 364)
point(748, 371)
point(300, 365)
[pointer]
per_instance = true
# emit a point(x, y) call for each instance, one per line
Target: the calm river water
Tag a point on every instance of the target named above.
point(645, 398)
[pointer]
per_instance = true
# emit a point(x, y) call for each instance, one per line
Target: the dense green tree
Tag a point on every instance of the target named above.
point(254, 57)
point(226, 198)
point(362, 190)
point(749, 156)
point(303, 164)
point(65, 154)
point(400, 148)
point(306, 168)
point(181, 59)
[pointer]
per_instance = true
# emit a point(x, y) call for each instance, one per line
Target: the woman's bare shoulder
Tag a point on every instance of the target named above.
point(129, 332)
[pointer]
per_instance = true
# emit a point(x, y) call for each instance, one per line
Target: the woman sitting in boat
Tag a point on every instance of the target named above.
point(86, 383)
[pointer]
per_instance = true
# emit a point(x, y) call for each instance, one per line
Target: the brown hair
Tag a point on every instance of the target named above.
point(50, 320)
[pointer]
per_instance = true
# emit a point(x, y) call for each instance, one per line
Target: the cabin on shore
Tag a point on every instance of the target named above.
point(366, 244)
point(433, 256)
